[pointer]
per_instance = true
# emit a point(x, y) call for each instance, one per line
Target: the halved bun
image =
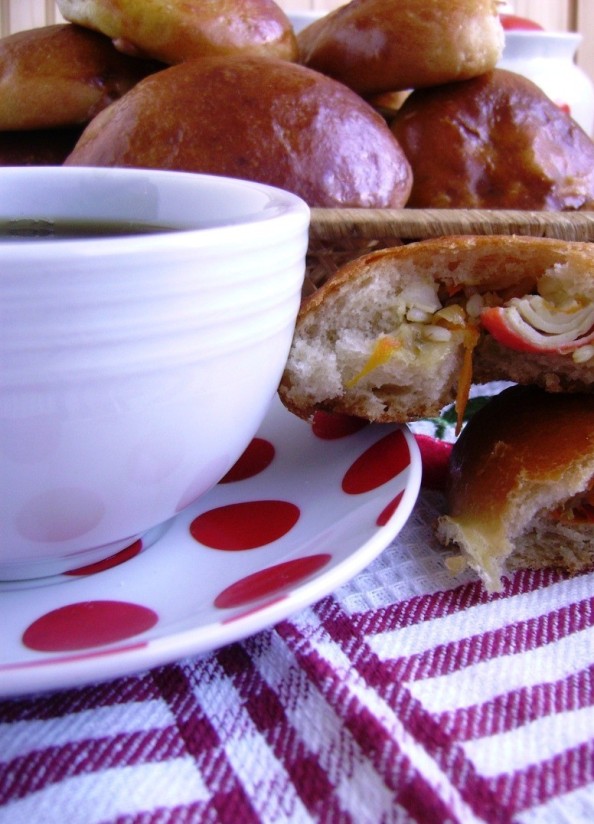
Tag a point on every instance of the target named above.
point(521, 485)
point(397, 334)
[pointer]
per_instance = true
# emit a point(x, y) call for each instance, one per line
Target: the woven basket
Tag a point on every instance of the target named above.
point(339, 235)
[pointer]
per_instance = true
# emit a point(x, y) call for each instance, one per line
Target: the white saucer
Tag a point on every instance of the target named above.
point(181, 597)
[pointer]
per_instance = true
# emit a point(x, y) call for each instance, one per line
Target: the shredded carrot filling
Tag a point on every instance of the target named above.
point(385, 347)
point(382, 352)
point(471, 338)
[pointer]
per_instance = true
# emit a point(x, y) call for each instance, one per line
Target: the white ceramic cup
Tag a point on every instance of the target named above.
point(134, 368)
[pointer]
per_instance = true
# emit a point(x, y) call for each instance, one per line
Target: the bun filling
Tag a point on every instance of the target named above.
point(398, 334)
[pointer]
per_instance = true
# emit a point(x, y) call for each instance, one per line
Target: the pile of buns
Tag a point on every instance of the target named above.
point(230, 88)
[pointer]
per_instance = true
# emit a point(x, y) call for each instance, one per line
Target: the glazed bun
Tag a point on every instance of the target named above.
point(176, 31)
point(399, 333)
point(521, 485)
point(494, 142)
point(378, 46)
point(61, 75)
point(257, 118)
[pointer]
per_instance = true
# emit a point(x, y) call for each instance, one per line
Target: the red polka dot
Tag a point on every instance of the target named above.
point(245, 613)
point(389, 510)
point(108, 563)
point(270, 581)
point(435, 457)
point(244, 525)
point(330, 427)
point(87, 624)
point(258, 455)
point(378, 464)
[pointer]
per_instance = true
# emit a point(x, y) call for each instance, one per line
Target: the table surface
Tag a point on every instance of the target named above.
point(404, 696)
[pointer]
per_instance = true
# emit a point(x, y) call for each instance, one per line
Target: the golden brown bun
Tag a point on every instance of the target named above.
point(38, 147)
point(494, 142)
point(178, 31)
point(397, 334)
point(256, 118)
point(382, 46)
point(61, 75)
point(517, 462)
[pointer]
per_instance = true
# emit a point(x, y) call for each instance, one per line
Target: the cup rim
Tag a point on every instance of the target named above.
point(281, 208)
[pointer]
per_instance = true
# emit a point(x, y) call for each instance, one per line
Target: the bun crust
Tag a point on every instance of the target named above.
point(520, 458)
point(61, 75)
point(256, 118)
point(396, 334)
point(174, 32)
point(494, 142)
point(378, 46)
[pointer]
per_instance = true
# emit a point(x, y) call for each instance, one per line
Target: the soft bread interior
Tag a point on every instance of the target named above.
point(367, 355)
point(545, 544)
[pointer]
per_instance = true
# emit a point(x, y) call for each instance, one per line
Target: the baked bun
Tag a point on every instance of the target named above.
point(178, 31)
point(38, 147)
point(256, 118)
point(378, 46)
point(61, 75)
point(521, 485)
point(494, 142)
point(399, 333)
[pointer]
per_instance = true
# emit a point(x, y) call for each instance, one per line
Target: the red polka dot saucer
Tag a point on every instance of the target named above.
point(305, 509)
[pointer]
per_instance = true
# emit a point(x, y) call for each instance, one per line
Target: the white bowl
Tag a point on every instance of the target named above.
point(135, 369)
